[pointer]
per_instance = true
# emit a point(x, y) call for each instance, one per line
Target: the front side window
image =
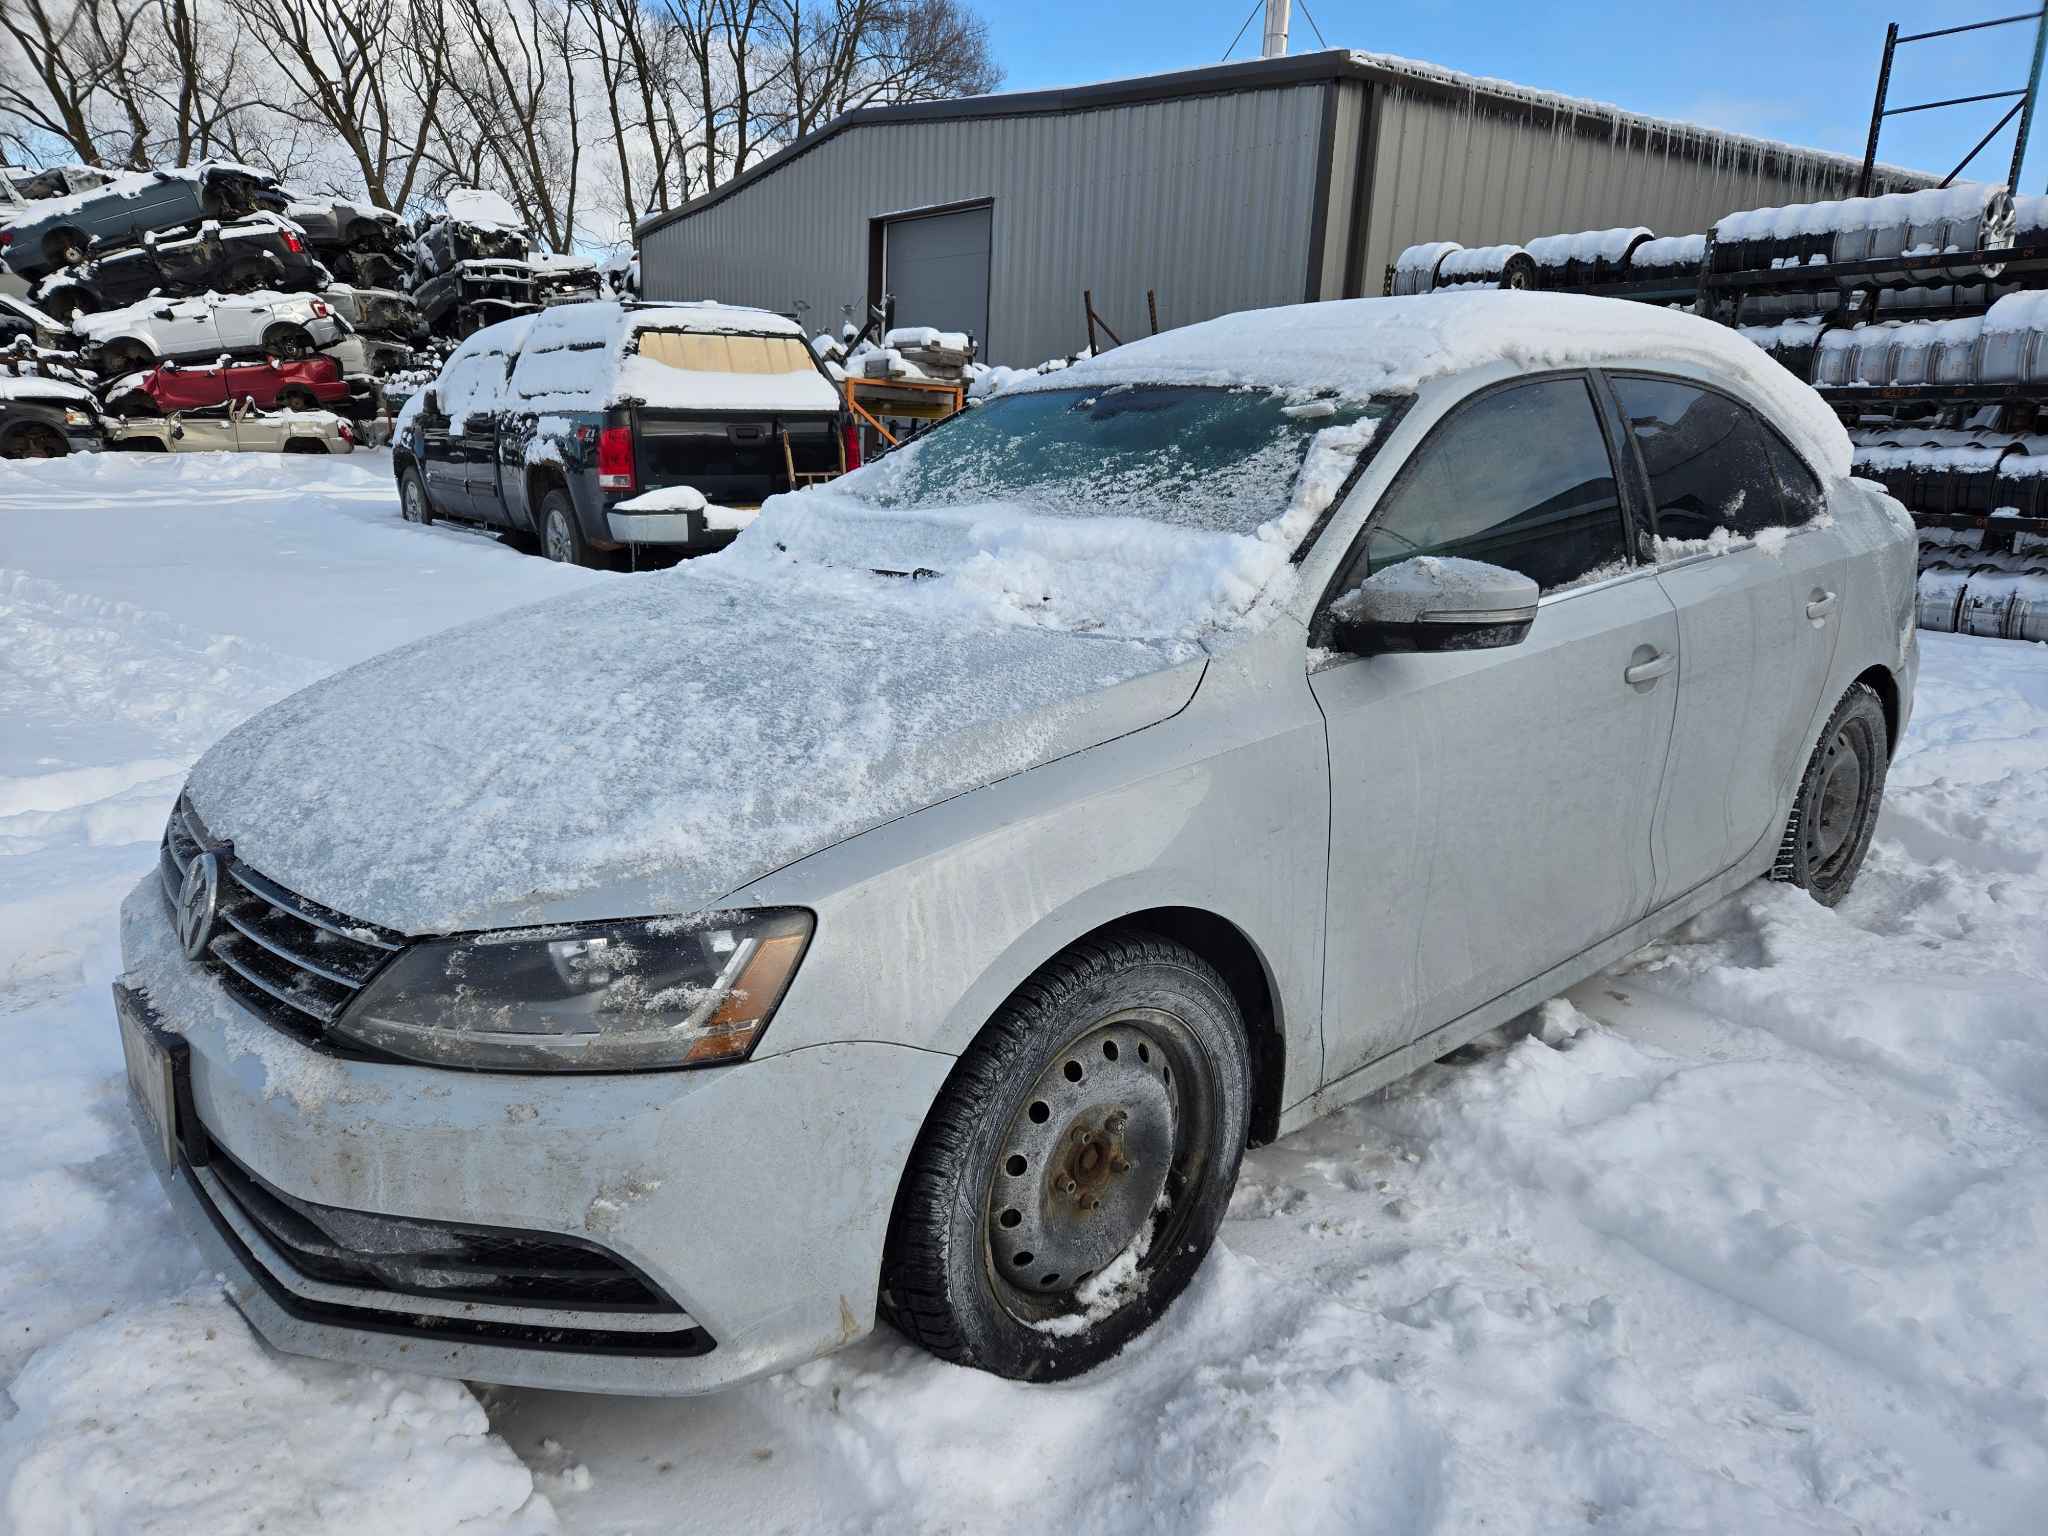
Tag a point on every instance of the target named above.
point(1707, 459)
point(1519, 478)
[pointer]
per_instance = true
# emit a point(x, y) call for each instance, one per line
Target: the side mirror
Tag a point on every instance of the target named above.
point(432, 404)
point(1434, 603)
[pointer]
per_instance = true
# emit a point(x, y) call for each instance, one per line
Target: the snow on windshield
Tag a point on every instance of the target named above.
point(1213, 460)
point(1052, 511)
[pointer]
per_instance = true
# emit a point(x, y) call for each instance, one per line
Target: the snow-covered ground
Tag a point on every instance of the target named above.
point(1748, 1235)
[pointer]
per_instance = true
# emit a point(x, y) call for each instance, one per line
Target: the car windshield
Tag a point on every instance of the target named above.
point(1218, 460)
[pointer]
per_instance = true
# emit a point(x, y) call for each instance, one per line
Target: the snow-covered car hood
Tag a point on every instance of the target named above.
point(654, 743)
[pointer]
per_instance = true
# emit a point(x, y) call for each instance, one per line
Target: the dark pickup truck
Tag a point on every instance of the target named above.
point(594, 430)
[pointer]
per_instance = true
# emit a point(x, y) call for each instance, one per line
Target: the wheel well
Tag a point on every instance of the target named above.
point(1879, 680)
point(1223, 944)
point(540, 479)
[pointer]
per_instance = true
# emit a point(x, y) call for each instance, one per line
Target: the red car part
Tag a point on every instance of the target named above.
point(268, 384)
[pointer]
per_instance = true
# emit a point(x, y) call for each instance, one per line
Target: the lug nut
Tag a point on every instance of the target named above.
point(1117, 1121)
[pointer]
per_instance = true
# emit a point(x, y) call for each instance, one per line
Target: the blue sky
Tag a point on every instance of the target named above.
point(1800, 72)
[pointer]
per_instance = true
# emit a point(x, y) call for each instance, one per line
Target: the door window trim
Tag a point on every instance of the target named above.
point(1319, 634)
point(1641, 471)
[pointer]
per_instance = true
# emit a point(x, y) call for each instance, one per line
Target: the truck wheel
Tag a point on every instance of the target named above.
point(413, 505)
point(1839, 796)
point(561, 536)
point(1070, 1179)
point(35, 441)
point(291, 342)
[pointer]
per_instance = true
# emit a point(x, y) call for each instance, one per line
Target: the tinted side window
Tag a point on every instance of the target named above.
point(1804, 499)
point(1519, 478)
point(1706, 459)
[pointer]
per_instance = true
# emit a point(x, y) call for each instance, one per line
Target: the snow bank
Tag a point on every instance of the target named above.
point(226, 1437)
point(1363, 347)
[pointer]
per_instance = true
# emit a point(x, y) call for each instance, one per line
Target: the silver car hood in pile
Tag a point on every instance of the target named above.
point(654, 743)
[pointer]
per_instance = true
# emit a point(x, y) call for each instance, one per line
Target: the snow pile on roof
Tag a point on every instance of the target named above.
point(486, 209)
point(1608, 245)
point(1621, 117)
point(233, 1448)
point(1966, 200)
point(1363, 347)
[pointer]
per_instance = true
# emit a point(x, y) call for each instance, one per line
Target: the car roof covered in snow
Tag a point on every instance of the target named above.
point(35, 387)
point(1356, 348)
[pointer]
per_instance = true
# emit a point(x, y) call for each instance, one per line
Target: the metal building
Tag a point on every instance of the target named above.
point(1226, 188)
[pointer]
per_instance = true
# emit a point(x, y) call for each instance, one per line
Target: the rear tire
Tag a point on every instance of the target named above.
point(561, 535)
point(1839, 797)
point(413, 504)
point(1103, 1111)
point(63, 247)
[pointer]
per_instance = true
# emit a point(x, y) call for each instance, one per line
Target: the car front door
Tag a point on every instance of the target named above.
point(1756, 582)
point(185, 328)
point(440, 452)
point(1491, 811)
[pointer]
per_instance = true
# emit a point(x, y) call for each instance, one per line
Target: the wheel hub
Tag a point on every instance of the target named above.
point(1838, 803)
point(1081, 1168)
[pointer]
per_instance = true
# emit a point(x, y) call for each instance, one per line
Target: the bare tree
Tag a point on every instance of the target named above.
point(840, 56)
point(369, 72)
point(520, 124)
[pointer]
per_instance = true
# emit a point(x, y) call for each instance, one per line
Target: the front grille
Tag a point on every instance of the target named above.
point(289, 959)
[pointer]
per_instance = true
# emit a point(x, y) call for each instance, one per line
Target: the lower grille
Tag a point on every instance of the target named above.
point(289, 959)
point(436, 1279)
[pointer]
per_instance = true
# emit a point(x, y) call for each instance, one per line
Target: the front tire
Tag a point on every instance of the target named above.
point(413, 505)
point(1839, 797)
point(1072, 1175)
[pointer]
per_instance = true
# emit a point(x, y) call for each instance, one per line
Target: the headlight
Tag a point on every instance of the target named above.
point(602, 997)
point(77, 418)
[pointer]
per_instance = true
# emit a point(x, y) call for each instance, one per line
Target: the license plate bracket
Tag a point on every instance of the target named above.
point(159, 1074)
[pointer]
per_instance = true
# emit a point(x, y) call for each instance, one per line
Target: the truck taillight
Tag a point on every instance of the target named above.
point(347, 435)
point(292, 242)
point(320, 310)
point(615, 459)
point(852, 435)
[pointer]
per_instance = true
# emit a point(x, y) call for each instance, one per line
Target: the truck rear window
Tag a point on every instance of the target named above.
point(698, 352)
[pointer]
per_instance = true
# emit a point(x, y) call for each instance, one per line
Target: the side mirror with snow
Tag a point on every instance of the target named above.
point(1434, 603)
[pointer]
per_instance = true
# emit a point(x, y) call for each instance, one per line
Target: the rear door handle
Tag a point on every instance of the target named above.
point(1649, 671)
point(1822, 604)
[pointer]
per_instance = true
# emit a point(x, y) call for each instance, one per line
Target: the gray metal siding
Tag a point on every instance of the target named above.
point(1208, 199)
point(1476, 174)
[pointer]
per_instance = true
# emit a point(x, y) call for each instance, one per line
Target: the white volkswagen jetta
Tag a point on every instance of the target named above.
point(913, 911)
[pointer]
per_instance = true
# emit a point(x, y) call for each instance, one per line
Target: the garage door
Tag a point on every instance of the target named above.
point(937, 267)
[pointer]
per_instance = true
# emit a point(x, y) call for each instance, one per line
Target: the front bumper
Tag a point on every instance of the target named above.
point(754, 1197)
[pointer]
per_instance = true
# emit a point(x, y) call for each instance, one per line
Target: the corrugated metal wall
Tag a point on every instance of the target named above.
point(1208, 199)
point(1446, 170)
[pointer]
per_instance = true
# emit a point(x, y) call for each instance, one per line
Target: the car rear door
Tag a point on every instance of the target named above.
point(1491, 811)
point(1756, 583)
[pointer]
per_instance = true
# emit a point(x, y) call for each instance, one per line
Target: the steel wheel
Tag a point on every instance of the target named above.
point(559, 543)
point(1839, 797)
point(1072, 1172)
point(1118, 1120)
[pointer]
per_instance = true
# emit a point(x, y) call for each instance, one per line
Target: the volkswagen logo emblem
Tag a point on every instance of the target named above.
point(199, 903)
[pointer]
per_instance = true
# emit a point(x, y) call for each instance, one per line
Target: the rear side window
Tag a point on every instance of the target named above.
point(1519, 478)
point(1708, 459)
point(1803, 498)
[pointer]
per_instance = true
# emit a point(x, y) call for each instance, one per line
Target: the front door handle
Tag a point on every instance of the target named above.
point(1649, 670)
point(1821, 604)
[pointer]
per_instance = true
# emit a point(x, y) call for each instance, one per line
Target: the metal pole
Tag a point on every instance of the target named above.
point(2019, 143)
point(1275, 46)
point(1884, 80)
